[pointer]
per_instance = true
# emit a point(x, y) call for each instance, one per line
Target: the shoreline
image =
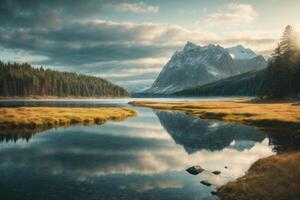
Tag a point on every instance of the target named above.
point(266, 115)
point(274, 177)
point(32, 118)
point(58, 97)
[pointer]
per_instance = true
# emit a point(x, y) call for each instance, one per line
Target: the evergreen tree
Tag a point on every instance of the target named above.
point(24, 80)
point(282, 76)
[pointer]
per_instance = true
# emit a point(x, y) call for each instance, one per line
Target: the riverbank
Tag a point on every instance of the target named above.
point(31, 118)
point(265, 115)
point(275, 177)
point(33, 97)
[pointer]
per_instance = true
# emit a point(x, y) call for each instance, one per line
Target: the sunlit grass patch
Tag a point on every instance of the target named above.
point(49, 117)
point(275, 177)
point(277, 115)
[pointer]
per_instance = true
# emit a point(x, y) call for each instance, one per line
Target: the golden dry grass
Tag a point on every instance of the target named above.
point(59, 97)
point(49, 117)
point(275, 177)
point(281, 115)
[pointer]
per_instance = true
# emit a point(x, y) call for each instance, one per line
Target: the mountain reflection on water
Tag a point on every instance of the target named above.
point(141, 158)
point(196, 134)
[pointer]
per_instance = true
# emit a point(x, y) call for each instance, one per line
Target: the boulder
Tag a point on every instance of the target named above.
point(216, 172)
point(206, 183)
point(195, 170)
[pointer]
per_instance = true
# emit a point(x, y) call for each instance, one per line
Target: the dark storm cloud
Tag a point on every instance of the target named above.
point(70, 33)
point(60, 31)
point(64, 47)
point(32, 13)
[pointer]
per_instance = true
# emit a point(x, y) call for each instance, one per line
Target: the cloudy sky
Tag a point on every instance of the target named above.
point(128, 42)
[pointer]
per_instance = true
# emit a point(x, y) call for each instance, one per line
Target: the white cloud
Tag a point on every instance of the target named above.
point(133, 62)
point(232, 14)
point(175, 36)
point(140, 7)
point(140, 72)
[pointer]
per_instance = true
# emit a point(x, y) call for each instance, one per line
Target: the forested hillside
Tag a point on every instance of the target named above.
point(282, 78)
point(246, 84)
point(24, 80)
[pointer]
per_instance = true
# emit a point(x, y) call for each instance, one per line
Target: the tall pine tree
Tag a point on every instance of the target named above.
point(282, 76)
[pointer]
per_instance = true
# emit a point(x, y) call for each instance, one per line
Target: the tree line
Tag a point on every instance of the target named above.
point(24, 80)
point(282, 77)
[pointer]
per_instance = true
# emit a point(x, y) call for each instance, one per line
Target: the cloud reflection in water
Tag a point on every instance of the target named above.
point(146, 154)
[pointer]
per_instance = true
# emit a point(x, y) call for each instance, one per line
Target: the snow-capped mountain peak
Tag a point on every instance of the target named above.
point(240, 52)
point(189, 45)
point(197, 65)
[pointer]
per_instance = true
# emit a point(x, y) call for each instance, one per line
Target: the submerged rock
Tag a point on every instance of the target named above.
point(195, 170)
point(216, 172)
point(206, 183)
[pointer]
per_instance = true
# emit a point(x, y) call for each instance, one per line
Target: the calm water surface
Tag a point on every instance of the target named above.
point(144, 157)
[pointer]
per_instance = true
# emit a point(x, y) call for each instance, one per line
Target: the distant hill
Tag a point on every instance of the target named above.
point(24, 80)
point(246, 84)
point(198, 65)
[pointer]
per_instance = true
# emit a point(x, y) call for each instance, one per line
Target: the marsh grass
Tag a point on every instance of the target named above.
point(275, 177)
point(280, 115)
point(30, 118)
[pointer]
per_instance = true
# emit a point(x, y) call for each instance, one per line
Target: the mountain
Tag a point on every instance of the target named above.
point(245, 65)
point(246, 84)
point(196, 65)
point(24, 80)
point(245, 59)
point(240, 52)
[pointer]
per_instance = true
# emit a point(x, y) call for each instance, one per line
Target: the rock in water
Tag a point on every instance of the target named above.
point(195, 170)
point(206, 183)
point(216, 172)
point(214, 192)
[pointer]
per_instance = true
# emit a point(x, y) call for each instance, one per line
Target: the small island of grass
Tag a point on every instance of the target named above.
point(283, 115)
point(39, 118)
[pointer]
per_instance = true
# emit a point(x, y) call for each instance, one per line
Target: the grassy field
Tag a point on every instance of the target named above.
point(275, 177)
point(49, 117)
point(269, 115)
point(58, 97)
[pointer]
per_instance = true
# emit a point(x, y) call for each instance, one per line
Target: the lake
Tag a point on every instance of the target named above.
point(143, 157)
